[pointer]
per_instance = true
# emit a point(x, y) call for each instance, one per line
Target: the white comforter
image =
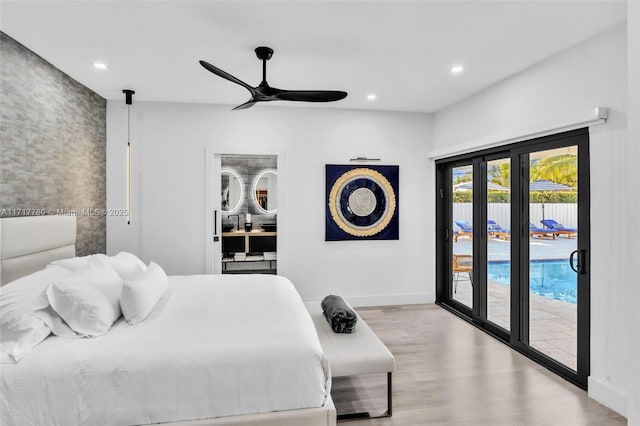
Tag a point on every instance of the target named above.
point(214, 346)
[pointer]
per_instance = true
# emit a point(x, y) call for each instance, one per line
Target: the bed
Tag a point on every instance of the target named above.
point(216, 349)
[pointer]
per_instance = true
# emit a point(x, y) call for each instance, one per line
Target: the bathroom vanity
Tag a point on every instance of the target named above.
point(249, 252)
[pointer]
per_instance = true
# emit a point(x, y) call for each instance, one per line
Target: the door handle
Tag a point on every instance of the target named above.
point(571, 261)
point(579, 267)
point(215, 226)
point(446, 234)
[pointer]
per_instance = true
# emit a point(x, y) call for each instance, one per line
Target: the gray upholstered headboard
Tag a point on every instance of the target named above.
point(29, 243)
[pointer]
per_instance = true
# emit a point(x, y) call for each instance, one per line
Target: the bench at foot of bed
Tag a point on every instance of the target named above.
point(354, 354)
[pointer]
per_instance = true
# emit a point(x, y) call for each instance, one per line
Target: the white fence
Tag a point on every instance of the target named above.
point(565, 213)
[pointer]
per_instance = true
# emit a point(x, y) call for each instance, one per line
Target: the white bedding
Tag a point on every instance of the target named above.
point(214, 346)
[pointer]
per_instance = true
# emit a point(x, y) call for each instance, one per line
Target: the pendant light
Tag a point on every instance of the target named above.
point(129, 100)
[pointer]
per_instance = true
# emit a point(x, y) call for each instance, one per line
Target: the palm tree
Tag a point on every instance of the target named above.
point(462, 174)
point(559, 168)
point(500, 174)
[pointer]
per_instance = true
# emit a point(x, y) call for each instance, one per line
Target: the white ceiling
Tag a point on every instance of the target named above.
point(400, 50)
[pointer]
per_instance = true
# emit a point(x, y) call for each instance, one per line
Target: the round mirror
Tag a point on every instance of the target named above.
point(265, 191)
point(231, 191)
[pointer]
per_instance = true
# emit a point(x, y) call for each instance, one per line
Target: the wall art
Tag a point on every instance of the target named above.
point(362, 202)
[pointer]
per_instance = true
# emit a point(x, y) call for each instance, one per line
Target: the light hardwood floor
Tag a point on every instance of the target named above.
point(450, 373)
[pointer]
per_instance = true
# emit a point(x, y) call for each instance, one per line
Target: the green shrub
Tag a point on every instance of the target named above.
point(534, 197)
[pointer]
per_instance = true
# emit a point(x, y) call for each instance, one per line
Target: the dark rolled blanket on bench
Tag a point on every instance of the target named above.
point(339, 314)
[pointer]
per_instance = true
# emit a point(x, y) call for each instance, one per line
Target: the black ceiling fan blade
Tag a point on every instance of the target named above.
point(220, 73)
point(310, 95)
point(264, 93)
point(246, 105)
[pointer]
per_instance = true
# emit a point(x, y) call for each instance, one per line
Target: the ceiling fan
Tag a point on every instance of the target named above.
point(264, 93)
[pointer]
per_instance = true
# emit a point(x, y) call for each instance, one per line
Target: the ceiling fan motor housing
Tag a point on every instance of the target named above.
point(264, 53)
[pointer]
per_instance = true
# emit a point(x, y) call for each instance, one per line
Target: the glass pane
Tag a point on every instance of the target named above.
point(462, 286)
point(553, 212)
point(499, 242)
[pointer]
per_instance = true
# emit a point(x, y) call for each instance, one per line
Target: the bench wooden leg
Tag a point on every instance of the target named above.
point(366, 414)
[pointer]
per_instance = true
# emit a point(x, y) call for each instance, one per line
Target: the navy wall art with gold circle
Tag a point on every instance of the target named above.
point(361, 202)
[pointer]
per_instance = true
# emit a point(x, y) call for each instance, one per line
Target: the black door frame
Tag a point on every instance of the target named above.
point(517, 336)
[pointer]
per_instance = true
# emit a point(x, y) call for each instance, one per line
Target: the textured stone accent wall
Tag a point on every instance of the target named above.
point(52, 145)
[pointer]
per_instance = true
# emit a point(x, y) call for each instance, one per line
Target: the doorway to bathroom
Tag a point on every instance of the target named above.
point(244, 194)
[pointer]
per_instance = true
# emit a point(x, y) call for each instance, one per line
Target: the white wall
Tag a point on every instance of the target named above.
point(556, 91)
point(168, 214)
point(631, 209)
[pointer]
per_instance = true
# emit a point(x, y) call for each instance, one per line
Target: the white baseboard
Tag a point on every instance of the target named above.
point(386, 300)
point(607, 396)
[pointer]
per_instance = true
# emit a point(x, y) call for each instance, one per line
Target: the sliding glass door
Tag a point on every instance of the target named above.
point(498, 240)
point(462, 235)
point(553, 237)
point(513, 247)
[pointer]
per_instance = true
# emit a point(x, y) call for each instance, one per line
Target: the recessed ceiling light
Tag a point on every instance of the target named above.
point(371, 96)
point(457, 69)
point(100, 65)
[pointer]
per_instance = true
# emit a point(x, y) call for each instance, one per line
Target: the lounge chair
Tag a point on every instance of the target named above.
point(494, 229)
point(461, 263)
point(540, 232)
point(464, 229)
point(558, 228)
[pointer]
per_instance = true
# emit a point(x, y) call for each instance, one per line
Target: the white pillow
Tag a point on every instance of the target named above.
point(87, 301)
point(74, 263)
point(141, 295)
point(56, 325)
point(84, 308)
point(127, 265)
point(20, 331)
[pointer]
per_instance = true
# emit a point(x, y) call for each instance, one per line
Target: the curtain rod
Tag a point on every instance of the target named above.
point(597, 115)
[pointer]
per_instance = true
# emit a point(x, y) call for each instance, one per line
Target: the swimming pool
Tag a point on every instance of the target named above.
point(548, 278)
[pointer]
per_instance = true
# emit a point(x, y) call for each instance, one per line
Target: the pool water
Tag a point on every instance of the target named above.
point(549, 278)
